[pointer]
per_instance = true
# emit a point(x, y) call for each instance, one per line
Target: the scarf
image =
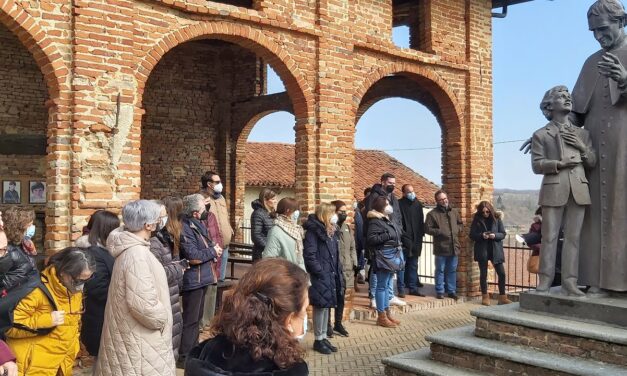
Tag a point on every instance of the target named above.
point(293, 230)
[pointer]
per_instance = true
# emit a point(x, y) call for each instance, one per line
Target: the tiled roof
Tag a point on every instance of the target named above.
point(272, 164)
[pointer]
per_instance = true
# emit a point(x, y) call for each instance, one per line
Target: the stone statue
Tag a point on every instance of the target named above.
point(600, 106)
point(560, 151)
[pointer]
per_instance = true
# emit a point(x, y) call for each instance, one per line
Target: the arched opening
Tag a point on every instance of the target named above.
point(23, 132)
point(201, 101)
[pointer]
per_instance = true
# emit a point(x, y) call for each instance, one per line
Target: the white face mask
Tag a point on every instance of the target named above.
point(218, 188)
point(295, 216)
point(334, 219)
point(389, 209)
point(162, 223)
point(301, 337)
point(79, 287)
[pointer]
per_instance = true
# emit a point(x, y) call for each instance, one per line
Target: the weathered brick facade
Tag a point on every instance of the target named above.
point(142, 96)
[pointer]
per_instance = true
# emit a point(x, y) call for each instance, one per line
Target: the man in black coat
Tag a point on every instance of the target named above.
point(413, 232)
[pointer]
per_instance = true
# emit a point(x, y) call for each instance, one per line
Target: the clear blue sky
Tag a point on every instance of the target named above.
point(539, 45)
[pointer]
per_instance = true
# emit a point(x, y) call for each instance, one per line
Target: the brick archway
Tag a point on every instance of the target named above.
point(58, 133)
point(299, 91)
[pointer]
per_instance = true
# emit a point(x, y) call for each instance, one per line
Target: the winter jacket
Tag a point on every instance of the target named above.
point(199, 250)
point(96, 292)
point(161, 247)
point(535, 229)
point(221, 212)
point(480, 225)
point(322, 263)
point(210, 359)
point(413, 226)
point(445, 225)
point(137, 333)
point(281, 245)
point(260, 223)
point(5, 353)
point(376, 192)
point(49, 354)
point(382, 232)
point(16, 268)
point(348, 255)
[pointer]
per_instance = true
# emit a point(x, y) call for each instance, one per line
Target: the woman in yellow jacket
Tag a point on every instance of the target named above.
point(45, 333)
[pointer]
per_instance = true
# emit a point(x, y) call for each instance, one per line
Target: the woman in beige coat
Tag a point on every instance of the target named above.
point(137, 334)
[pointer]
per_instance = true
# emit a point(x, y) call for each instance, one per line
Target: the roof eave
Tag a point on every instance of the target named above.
point(502, 3)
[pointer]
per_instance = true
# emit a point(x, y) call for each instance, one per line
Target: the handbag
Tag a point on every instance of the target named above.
point(390, 259)
point(533, 264)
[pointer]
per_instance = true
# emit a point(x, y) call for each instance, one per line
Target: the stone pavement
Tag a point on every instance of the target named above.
point(361, 353)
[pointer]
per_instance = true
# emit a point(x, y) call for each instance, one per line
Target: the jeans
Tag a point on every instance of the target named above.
point(373, 284)
point(223, 263)
point(446, 273)
point(411, 274)
point(382, 295)
point(483, 277)
point(320, 321)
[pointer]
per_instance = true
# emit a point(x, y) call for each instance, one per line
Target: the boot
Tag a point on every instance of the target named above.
point(503, 299)
point(485, 299)
point(388, 313)
point(382, 320)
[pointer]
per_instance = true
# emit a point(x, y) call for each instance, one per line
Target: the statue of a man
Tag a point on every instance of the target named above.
point(600, 106)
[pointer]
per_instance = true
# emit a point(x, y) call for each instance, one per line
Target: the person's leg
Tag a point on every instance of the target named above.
point(411, 274)
point(440, 263)
point(382, 293)
point(209, 305)
point(500, 272)
point(451, 274)
point(192, 311)
point(225, 261)
point(339, 310)
point(372, 280)
point(320, 320)
point(400, 283)
point(483, 276)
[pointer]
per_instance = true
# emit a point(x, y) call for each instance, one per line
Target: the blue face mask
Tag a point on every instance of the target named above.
point(30, 232)
point(411, 196)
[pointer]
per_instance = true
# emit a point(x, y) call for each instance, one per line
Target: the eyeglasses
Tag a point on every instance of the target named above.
point(78, 281)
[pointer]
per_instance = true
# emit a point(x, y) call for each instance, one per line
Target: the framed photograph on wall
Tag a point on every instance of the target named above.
point(37, 192)
point(11, 192)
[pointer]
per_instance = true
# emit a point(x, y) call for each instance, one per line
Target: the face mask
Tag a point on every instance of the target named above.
point(341, 217)
point(30, 232)
point(334, 219)
point(389, 188)
point(388, 209)
point(218, 188)
point(78, 287)
point(204, 216)
point(411, 196)
point(302, 336)
point(295, 216)
point(162, 223)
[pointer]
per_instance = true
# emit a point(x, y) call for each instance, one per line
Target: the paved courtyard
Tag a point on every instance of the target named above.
point(361, 353)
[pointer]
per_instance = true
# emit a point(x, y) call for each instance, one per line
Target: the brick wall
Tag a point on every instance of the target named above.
point(108, 126)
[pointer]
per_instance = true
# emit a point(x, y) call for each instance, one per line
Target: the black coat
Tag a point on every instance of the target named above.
point(260, 223)
point(217, 356)
point(322, 261)
point(161, 246)
point(96, 291)
point(413, 226)
point(16, 268)
point(382, 232)
point(477, 228)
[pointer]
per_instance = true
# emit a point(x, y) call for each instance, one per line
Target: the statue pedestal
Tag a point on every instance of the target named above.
point(543, 335)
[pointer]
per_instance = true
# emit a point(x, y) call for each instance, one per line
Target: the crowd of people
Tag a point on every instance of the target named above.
point(135, 292)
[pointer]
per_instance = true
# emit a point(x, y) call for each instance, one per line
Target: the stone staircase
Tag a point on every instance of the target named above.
point(541, 335)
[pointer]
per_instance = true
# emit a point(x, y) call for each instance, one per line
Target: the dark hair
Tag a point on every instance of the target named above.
point(538, 211)
point(206, 178)
point(38, 185)
point(102, 223)
point(380, 203)
point(338, 204)
point(254, 316)
point(481, 206)
point(286, 204)
point(266, 194)
point(12, 182)
point(404, 187)
point(387, 176)
point(367, 191)
point(439, 192)
point(174, 208)
point(16, 222)
point(72, 261)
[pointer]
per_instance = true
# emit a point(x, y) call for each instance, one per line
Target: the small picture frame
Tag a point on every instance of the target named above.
point(11, 192)
point(37, 192)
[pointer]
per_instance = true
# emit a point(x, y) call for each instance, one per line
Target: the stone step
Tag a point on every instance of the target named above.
point(420, 363)
point(609, 310)
point(460, 347)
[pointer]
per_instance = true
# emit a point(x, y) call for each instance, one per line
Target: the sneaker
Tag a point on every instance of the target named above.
point(396, 301)
point(439, 296)
point(373, 303)
point(321, 347)
point(329, 345)
point(341, 330)
point(453, 296)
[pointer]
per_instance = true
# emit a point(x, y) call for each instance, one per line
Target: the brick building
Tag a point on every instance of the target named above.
point(112, 100)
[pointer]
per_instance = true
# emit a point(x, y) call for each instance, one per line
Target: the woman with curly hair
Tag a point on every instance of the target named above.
point(16, 264)
point(258, 330)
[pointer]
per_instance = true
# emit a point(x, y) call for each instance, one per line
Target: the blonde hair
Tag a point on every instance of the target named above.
point(324, 212)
